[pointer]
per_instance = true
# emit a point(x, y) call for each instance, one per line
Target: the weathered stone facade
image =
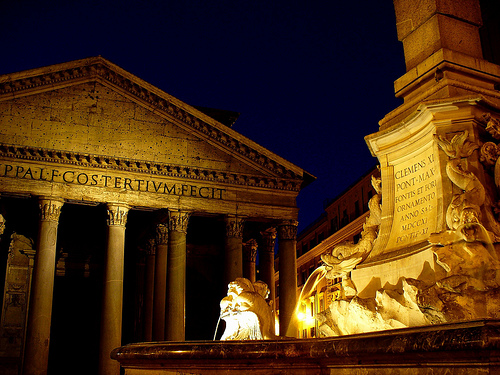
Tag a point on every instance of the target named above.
point(89, 133)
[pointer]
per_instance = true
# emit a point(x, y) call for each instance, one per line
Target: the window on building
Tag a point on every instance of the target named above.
point(321, 237)
point(313, 331)
point(345, 219)
point(357, 208)
point(334, 225)
point(312, 243)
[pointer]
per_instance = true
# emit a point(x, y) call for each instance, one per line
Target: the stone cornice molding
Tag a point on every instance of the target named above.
point(250, 250)
point(105, 72)
point(117, 214)
point(141, 166)
point(178, 221)
point(50, 208)
point(234, 226)
point(287, 230)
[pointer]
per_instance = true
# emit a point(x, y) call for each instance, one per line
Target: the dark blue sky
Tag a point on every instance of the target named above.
point(310, 78)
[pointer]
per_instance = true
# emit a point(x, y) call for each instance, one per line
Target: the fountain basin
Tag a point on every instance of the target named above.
point(457, 348)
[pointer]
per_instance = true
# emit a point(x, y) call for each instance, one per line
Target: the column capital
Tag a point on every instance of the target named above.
point(250, 250)
point(117, 214)
point(178, 220)
point(2, 224)
point(234, 226)
point(287, 230)
point(161, 234)
point(50, 208)
point(151, 247)
point(269, 239)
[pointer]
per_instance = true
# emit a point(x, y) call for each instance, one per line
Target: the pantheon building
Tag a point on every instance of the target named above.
point(126, 213)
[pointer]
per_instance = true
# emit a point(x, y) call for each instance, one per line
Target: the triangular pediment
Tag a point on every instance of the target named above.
point(93, 111)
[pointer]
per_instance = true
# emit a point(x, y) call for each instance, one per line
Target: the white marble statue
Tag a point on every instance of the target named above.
point(247, 314)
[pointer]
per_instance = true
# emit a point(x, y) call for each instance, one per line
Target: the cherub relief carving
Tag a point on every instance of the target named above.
point(247, 314)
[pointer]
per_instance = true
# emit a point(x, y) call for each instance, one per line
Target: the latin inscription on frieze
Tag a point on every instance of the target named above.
point(109, 180)
point(415, 200)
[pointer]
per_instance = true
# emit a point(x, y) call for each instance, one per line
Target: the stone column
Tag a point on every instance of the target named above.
point(249, 258)
point(233, 255)
point(176, 276)
point(287, 241)
point(2, 225)
point(36, 356)
point(160, 281)
point(266, 260)
point(111, 313)
point(149, 290)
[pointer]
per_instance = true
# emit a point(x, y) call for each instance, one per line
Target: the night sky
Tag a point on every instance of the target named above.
point(310, 78)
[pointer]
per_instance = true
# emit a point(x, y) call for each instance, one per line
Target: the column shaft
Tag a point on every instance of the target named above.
point(160, 288)
point(149, 291)
point(249, 258)
point(233, 254)
point(112, 306)
point(266, 260)
point(36, 356)
point(287, 233)
point(176, 277)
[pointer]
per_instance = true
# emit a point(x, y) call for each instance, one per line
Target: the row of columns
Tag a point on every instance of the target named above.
point(165, 280)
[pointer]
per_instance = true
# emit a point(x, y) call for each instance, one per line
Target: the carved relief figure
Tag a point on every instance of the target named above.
point(247, 314)
point(469, 214)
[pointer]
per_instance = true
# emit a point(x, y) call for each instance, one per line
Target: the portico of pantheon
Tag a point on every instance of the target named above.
point(138, 207)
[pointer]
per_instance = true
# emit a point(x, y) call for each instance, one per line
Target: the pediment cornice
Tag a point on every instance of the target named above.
point(101, 70)
point(147, 167)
